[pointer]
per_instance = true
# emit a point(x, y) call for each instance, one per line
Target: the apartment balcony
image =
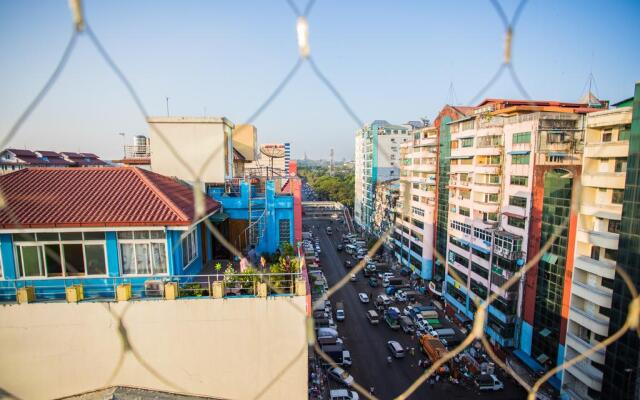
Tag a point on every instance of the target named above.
point(587, 374)
point(463, 152)
point(457, 168)
point(487, 169)
point(596, 294)
point(486, 207)
point(430, 141)
point(425, 167)
point(597, 267)
point(461, 202)
point(607, 240)
point(609, 211)
point(607, 149)
point(486, 187)
point(458, 250)
point(596, 323)
point(582, 346)
point(488, 151)
point(613, 180)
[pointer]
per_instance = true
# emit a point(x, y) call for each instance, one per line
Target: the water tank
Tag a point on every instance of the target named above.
point(140, 140)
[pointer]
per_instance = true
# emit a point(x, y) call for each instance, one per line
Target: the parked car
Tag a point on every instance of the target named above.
point(407, 324)
point(400, 296)
point(373, 317)
point(384, 299)
point(341, 376)
point(395, 348)
point(363, 297)
point(343, 394)
point(346, 358)
point(340, 311)
point(387, 275)
point(373, 281)
point(407, 311)
point(354, 278)
point(486, 382)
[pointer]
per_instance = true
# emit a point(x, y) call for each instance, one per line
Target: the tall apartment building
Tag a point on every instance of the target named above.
point(376, 160)
point(603, 184)
point(414, 231)
point(510, 163)
point(622, 358)
point(385, 206)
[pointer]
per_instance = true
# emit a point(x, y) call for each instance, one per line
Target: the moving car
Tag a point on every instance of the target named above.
point(340, 311)
point(373, 281)
point(395, 348)
point(346, 358)
point(341, 376)
point(373, 317)
point(400, 296)
point(384, 299)
point(363, 297)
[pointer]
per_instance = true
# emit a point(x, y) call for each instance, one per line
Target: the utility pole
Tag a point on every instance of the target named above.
point(331, 164)
point(167, 100)
point(124, 149)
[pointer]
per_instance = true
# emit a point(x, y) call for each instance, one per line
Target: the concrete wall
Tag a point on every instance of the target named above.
point(228, 348)
point(205, 144)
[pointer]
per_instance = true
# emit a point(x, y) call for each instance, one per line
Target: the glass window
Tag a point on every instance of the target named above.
point(94, 236)
point(606, 135)
point(143, 263)
point(47, 237)
point(517, 201)
point(522, 137)
point(30, 260)
point(126, 252)
point(520, 159)
point(621, 165)
point(69, 236)
point(24, 237)
point(467, 142)
point(519, 180)
point(189, 248)
point(143, 252)
point(96, 263)
point(617, 196)
point(516, 222)
point(614, 226)
point(53, 259)
point(73, 259)
point(125, 235)
point(159, 258)
point(465, 211)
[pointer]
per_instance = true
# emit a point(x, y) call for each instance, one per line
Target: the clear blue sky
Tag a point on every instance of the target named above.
point(391, 60)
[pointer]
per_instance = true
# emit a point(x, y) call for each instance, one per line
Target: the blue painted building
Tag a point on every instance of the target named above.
point(99, 227)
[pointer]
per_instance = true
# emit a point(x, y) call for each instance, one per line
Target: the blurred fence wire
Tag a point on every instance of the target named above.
point(82, 28)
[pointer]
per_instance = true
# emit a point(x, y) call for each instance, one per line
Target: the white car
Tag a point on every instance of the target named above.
point(387, 275)
point(346, 358)
point(407, 311)
point(343, 394)
point(400, 296)
point(340, 315)
point(363, 297)
point(341, 376)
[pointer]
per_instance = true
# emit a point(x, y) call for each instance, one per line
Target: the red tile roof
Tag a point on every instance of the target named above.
point(99, 197)
point(25, 153)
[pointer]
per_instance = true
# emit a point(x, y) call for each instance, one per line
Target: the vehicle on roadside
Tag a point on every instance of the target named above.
point(335, 351)
point(387, 275)
point(391, 318)
point(364, 298)
point(359, 256)
point(329, 230)
point(407, 311)
point(396, 349)
point(340, 311)
point(343, 394)
point(373, 317)
point(354, 278)
point(432, 347)
point(407, 324)
point(487, 382)
point(384, 300)
point(348, 264)
point(385, 282)
point(340, 247)
point(346, 358)
point(340, 375)
point(350, 249)
point(400, 296)
point(373, 281)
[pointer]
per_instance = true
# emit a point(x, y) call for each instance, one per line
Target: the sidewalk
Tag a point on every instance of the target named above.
point(530, 378)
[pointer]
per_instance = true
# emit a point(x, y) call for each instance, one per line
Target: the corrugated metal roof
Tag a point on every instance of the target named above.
point(110, 197)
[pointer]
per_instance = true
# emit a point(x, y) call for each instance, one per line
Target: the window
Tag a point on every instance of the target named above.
point(516, 222)
point(611, 254)
point(466, 142)
point(556, 137)
point(417, 223)
point(480, 270)
point(617, 196)
point(614, 226)
point(606, 282)
point(482, 234)
point(519, 180)
point(522, 137)
point(606, 135)
point(143, 252)
point(417, 211)
point(595, 252)
point(518, 201)
point(621, 165)
point(520, 159)
point(461, 227)
point(53, 254)
point(491, 197)
point(465, 211)
point(285, 230)
point(459, 243)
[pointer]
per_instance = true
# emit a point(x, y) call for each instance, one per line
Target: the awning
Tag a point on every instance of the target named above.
point(519, 152)
point(467, 136)
point(510, 214)
point(462, 318)
point(529, 361)
point(480, 249)
point(558, 155)
point(219, 217)
point(460, 157)
point(607, 215)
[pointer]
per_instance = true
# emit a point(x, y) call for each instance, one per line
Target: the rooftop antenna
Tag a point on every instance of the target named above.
point(167, 100)
point(453, 99)
point(272, 152)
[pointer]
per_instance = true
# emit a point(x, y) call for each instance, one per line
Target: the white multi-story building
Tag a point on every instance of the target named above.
point(603, 182)
point(376, 160)
point(414, 231)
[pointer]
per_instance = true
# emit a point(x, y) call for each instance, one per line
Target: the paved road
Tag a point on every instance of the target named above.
point(367, 342)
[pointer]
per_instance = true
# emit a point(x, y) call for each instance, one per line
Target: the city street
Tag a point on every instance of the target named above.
point(367, 343)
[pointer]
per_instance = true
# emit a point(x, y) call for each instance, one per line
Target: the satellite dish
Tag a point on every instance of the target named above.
point(272, 151)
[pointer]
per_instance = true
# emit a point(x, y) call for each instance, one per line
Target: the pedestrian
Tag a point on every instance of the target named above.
point(372, 390)
point(419, 363)
point(412, 351)
point(431, 382)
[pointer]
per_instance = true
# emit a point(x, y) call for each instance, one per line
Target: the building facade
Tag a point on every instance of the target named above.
point(622, 357)
point(598, 227)
point(376, 160)
point(414, 231)
point(385, 206)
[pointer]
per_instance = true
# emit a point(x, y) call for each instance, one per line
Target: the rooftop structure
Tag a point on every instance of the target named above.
point(16, 159)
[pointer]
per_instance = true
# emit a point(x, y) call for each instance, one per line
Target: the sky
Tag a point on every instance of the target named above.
point(390, 60)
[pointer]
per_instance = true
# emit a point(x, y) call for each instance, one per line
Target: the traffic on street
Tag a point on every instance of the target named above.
point(384, 331)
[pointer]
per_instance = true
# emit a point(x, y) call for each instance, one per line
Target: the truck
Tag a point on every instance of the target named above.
point(391, 318)
point(335, 351)
point(396, 282)
point(432, 347)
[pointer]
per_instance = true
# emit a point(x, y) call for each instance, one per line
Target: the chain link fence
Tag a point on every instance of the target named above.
point(82, 30)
